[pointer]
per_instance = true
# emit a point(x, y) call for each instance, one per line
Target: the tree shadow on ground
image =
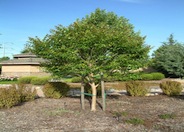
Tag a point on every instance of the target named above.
point(178, 97)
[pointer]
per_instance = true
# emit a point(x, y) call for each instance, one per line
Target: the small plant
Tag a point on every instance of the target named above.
point(136, 88)
point(55, 90)
point(167, 116)
point(135, 121)
point(117, 115)
point(171, 88)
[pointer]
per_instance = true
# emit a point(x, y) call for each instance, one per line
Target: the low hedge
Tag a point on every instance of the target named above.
point(40, 80)
point(26, 80)
point(34, 80)
point(152, 76)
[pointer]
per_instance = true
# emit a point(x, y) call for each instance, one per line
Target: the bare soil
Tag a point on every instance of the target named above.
point(65, 115)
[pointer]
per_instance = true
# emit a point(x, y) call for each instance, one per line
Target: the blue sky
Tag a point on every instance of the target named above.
point(20, 19)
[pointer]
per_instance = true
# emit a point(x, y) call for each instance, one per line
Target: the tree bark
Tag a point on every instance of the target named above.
point(94, 92)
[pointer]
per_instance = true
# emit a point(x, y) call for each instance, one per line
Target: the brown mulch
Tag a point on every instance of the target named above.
point(65, 115)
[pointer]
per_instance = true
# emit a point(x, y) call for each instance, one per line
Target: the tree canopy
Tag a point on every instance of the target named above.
point(99, 42)
point(168, 58)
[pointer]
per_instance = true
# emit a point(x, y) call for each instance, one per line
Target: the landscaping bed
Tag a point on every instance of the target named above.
point(123, 113)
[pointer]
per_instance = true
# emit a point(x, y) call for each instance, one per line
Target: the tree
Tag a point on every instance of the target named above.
point(168, 58)
point(101, 42)
point(3, 59)
point(27, 48)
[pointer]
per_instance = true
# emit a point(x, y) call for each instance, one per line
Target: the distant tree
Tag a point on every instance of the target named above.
point(27, 48)
point(168, 58)
point(3, 59)
point(100, 42)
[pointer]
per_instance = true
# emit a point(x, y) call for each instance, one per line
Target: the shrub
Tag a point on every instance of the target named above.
point(26, 93)
point(76, 79)
point(157, 76)
point(167, 116)
point(55, 90)
point(25, 80)
point(171, 88)
point(136, 88)
point(40, 80)
point(146, 76)
point(135, 121)
point(10, 97)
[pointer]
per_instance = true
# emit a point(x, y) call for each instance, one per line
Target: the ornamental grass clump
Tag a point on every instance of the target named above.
point(171, 88)
point(135, 88)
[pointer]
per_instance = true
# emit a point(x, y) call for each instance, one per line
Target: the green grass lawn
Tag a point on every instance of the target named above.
point(8, 82)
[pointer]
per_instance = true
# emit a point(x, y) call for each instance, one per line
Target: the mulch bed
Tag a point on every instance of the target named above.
point(60, 115)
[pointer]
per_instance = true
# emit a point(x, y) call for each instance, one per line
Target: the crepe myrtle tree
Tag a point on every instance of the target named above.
point(101, 42)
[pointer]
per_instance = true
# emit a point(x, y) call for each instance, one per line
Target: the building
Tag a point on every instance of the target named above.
point(26, 64)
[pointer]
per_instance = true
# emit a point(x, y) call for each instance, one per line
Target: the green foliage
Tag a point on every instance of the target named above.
point(40, 80)
point(100, 42)
point(55, 90)
point(25, 80)
point(157, 76)
point(146, 76)
point(152, 76)
point(10, 97)
point(167, 116)
point(171, 88)
point(4, 58)
point(169, 58)
point(76, 79)
point(135, 121)
point(136, 88)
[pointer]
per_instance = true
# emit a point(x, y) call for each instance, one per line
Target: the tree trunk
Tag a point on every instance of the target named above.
point(94, 92)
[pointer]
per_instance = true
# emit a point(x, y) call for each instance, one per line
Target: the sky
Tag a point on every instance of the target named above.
point(21, 19)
